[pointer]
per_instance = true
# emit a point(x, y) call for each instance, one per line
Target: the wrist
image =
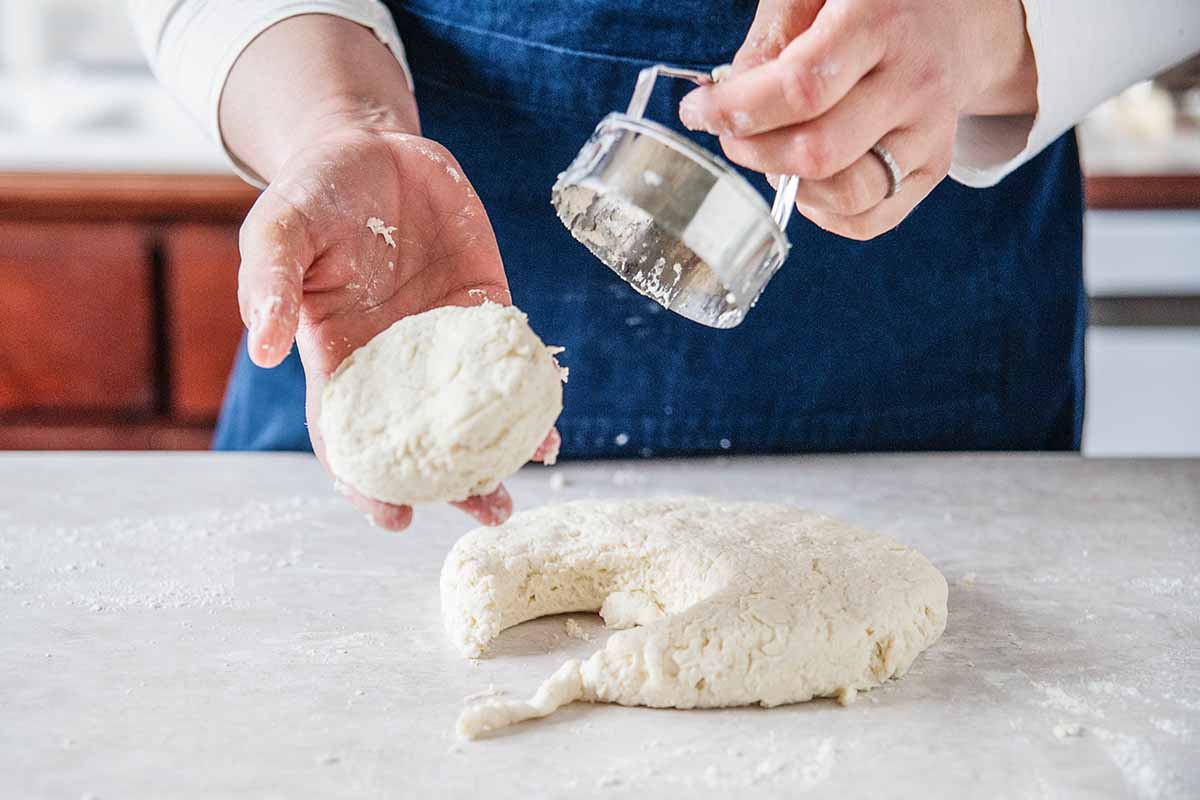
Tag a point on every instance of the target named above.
point(305, 78)
point(341, 113)
point(1007, 82)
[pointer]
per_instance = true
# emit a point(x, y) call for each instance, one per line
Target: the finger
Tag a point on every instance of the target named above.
point(888, 214)
point(477, 295)
point(388, 516)
point(808, 78)
point(828, 144)
point(489, 509)
point(276, 252)
point(547, 451)
point(866, 183)
point(384, 515)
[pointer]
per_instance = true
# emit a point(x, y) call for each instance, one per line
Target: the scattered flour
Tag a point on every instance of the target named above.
point(1112, 689)
point(1172, 727)
point(1166, 587)
point(379, 228)
point(204, 545)
point(490, 691)
point(1069, 730)
point(1135, 758)
point(1056, 698)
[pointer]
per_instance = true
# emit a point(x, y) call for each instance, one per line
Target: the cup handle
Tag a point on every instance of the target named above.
point(785, 195)
point(785, 201)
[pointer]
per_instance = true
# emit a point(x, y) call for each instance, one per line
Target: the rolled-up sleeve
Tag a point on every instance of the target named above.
point(192, 44)
point(1085, 51)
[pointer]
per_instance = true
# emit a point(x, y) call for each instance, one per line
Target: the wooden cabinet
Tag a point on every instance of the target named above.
point(76, 318)
point(118, 309)
point(203, 326)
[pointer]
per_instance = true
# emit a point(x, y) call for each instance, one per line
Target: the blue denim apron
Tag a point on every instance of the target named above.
point(961, 329)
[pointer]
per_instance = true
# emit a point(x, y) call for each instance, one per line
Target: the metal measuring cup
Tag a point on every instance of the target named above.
point(678, 223)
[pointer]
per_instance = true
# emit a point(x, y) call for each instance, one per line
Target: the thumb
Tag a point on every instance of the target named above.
point(776, 23)
point(276, 252)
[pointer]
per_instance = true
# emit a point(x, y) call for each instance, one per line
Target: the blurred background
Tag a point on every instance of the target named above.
point(118, 250)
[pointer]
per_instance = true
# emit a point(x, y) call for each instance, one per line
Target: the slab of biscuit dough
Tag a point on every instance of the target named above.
point(442, 405)
point(725, 603)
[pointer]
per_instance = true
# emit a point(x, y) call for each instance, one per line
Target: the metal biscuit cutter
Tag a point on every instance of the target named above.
point(672, 219)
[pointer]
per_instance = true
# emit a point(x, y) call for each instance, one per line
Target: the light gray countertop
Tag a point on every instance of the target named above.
point(226, 626)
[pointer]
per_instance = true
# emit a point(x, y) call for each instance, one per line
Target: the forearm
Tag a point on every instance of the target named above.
point(1085, 52)
point(300, 77)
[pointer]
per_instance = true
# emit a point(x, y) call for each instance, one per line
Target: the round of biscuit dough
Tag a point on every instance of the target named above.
point(441, 406)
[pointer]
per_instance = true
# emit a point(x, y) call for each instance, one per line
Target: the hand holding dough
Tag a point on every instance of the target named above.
point(441, 406)
point(736, 603)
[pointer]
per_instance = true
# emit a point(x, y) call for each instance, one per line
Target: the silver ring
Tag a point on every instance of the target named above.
point(895, 176)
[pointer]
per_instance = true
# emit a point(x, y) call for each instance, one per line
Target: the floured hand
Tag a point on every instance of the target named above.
point(314, 271)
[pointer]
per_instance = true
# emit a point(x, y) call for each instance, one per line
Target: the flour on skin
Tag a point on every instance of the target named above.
point(380, 228)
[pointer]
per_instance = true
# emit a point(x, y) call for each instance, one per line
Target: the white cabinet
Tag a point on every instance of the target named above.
point(1143, 381)
point(1142, 253)
point(1143, 392)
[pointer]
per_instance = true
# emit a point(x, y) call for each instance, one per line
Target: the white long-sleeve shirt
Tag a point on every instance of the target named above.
point(1085, 52)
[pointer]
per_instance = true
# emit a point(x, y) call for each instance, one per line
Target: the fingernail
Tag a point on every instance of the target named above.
point(690, 114)
point(394, 518)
